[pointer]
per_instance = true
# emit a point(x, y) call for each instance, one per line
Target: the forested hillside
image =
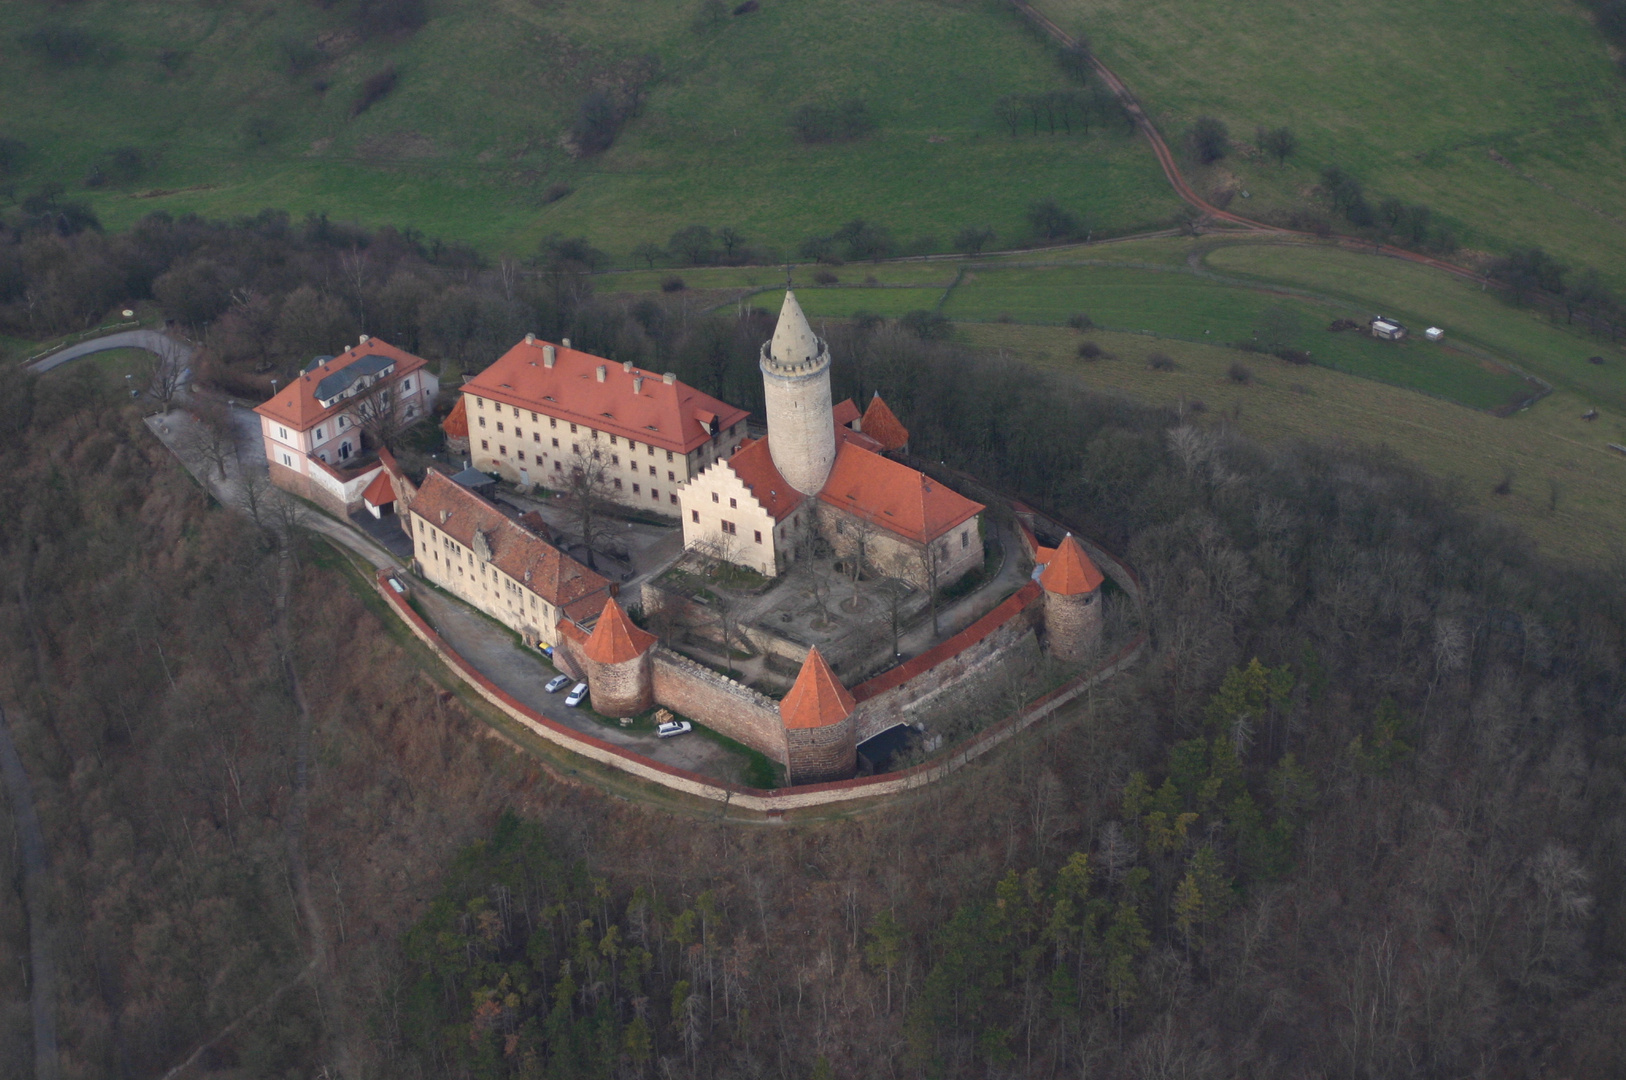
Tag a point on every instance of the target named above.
point(1359, 813)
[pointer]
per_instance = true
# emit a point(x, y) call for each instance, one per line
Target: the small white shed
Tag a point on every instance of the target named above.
point(1387, 329)
point(1434, 333)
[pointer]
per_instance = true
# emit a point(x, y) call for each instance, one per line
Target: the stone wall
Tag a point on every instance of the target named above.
point(957, 674)
point(893, 556)
point(624, 689)
point(820, 754)
point(289, 480)
point(720, 703)
point(1072, 625)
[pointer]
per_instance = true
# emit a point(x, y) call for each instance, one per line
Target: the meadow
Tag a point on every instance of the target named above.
point(469, 144)
point(1508, 119)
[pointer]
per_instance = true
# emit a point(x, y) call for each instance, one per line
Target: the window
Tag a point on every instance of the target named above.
point(484, 445)
point(575, 448)
point(479, 403)
point(344, 422)
point(288, 461)
point(635, 489)
point(759, 536)
point(501, 449)
point(612, 440)
point(319, 435)
point(652, 470)
point(733, 504)
point(533, 417)
point(556, 444)
point(714, 497)
point(412, 410)
point(536, 436)
point(406, 386)
point(516, 410)
point(670, 475)
point(558, 467)
point(573, 429)
point(553, 421)
point(668, 455)
point(615, 459)
point(282, 433)
point(965, 539)
point(673, 497)
point(482, 421)
point(728, 527)
point(695, 514)
point(518, 434)
point(521, 455)
point(655, 494)
point(499, 426)
point(618, 483)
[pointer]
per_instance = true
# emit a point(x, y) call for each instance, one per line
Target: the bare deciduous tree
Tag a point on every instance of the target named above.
point(211, 437)
point(165, 372)
point(591, 491)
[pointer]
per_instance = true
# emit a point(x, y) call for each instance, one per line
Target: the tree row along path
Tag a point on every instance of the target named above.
point(1177, 180)
point(31, 840)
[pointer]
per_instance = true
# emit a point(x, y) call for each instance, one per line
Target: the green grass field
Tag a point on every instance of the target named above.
point(1414, 98)
point(470, 141)
point(1566, 483)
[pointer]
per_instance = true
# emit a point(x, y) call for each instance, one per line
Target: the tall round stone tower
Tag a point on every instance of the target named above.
point(620, 676)
point(796, 389)
point(1072, 603)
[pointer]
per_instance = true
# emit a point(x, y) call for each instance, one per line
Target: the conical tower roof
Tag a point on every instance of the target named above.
point(1070, 571)
point(818, 699)
point(882, 425)
point(793, 339)
point(616, 638)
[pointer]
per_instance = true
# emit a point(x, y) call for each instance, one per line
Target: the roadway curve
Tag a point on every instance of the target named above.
point(1165, 158)
point(150, 340)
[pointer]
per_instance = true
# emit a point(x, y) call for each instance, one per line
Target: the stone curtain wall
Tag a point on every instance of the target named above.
point(957, 673)
point(820, 754)
point(720, 703)
point(306, 488)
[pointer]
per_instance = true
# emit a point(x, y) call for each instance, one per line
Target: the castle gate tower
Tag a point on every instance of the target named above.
point(796, 389)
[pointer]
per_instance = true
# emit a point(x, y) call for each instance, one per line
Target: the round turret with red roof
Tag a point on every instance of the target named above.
point(818, 719)
point(620, 676)
point(1072, 602)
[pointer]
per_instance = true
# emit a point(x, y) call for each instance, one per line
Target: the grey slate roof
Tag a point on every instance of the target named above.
point(341, 380)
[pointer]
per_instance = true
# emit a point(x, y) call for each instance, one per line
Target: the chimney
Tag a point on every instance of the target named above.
point(565, 342)
point(669, 378)
point(637, 384)
point(601, 372)
point(626, 366)
point(548, 355)
point(364, 339)
point(530, 339)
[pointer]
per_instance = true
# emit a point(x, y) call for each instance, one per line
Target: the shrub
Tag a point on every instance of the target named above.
point(1161, 362)
point(842, 122)
point(375, 18)
point(1050, 221)
point(1196, 405)
point(1089, 350)
point(598, 122)
point(11, 156)
point(1239, 373)
point(747, 7)
point(61, 45)
point(377, 87)
point(117, 167)
point(556, 192)
point(259, 131)
point(692, 243)
point(864, 240)
point(1081, 321)
point(1004, 317)
point(171, 60)
point(1505, 485)
point(1594, 359)
point(710, 14)
point(1210, 140)
point(296, 56)
point(1297, 357)
point(672, 284)
point(973, 239)
point(926, 325)
point(825, 277)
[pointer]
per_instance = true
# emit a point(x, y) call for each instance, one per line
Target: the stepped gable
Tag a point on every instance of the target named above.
point(616, 639)
point(1070, 572)
point(620, 399)
point(517, 552)
point(818, 699)
point(894, 497)
point(880, 424)
point(456, 424)
point(753, 464)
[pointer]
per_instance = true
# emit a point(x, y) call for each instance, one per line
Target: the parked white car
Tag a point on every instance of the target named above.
point(557, 683)
point(674, 727)
point(577, 692)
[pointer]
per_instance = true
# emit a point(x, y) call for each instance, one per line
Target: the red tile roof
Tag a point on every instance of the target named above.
point(845, 412)
point(672, 416)
point(1070, 572)
point(882, 426)
point(753, 464)
point(818, 699)
point(616, 639)
point(523, 556)
point(296, 404)
point(893, 496)
point(1011, 607)
point(380, 491)
point(456, 424)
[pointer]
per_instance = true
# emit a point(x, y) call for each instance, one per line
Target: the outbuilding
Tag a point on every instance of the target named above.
point(1434, 333)
point(1387, 329)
